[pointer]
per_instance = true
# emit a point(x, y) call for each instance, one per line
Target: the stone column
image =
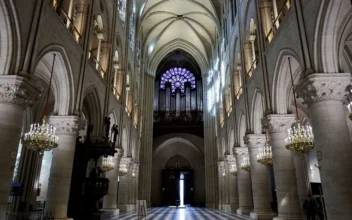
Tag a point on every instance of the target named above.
point(81, 7)
point(284, 169)
point(276, 14)
point(16, 93)
point(232, 183)
point(110, 200)
point(324, 93)
point(67, 128)
point(100, 37)
point(244, 183)
point(145, 180)
point(260, 176)
point(247, 48)
point(124, 187)
point(266, 7)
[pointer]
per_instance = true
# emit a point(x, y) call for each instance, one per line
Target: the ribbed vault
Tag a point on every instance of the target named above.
point(167, 25)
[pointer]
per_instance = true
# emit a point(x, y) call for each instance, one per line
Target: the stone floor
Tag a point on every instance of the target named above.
point(189, 213)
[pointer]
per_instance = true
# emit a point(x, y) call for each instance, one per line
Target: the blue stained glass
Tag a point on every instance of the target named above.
point(178, 77)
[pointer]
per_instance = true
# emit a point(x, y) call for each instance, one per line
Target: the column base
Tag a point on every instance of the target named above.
point(210, 205)
point(126, 208)
point(225, 207)
point(233, 207)
point(288, 218)
point(109, 213)
point(262, 215)
point(244, 210)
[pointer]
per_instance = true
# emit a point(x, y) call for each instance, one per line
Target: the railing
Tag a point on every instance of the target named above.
point(228, 112)
point(45, 216)
point(254, 65)
point(96, 64)
point(280, 16)
point(68, 22)
point(96, 186)
point(239, 92)
point(116, 93)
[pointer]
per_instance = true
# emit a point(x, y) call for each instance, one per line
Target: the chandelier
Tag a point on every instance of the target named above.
point(41, 137)
point(300, 138)
point(265, 157)
point(107, 164)
point(245, 165)
point(123, 170)
point(233, 169)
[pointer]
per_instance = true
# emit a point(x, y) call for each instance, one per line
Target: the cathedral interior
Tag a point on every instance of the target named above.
point(175, 109)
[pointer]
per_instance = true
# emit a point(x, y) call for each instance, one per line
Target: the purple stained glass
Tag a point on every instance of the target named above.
point(177, 77)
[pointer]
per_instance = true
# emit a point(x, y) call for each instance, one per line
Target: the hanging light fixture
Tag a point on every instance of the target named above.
point(265, 157)
point(300, 138)
point(245, 165)
point(123, 170)
point(107, 164)
point(233, 169)
point(41, 137)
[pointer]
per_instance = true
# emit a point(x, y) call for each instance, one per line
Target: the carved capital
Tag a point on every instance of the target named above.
point(119, 152)
point(17, 90)
point(322, 86)
point(278, 123)
point(230, 159)
point(126, 161)
point(221, 163)
point(67, 124)
point(254, 140)
point(241, 152)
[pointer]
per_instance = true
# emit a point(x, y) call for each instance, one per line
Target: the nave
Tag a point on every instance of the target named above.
point(189, 213)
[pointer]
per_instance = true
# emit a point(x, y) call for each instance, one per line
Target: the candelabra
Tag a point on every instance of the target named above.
point(265, 157)
point(107, 164)
point(123, 170)
point(300, 138)
point(233, 169)
point(245, 165)
point(41, 137)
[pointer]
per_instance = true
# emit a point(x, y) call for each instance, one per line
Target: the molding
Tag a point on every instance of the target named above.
point(18, 90)
point(323, 86)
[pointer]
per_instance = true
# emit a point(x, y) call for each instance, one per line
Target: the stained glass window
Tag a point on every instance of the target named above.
point(177, 77)
point(132, 21)
point(122, 10)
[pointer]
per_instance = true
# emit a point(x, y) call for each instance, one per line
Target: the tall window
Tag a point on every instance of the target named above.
point(122, 10)
point(132, 21)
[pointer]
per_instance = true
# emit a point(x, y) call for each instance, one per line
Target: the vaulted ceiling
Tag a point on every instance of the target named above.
point(190, 25)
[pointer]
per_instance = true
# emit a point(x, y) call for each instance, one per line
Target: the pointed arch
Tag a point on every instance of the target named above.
point(92, 110)
point(63, 82)
point(257, 111)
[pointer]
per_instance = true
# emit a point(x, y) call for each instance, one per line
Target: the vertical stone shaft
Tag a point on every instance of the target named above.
point(147, 141)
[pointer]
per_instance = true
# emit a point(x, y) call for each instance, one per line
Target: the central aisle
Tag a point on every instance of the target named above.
point(190, 213)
